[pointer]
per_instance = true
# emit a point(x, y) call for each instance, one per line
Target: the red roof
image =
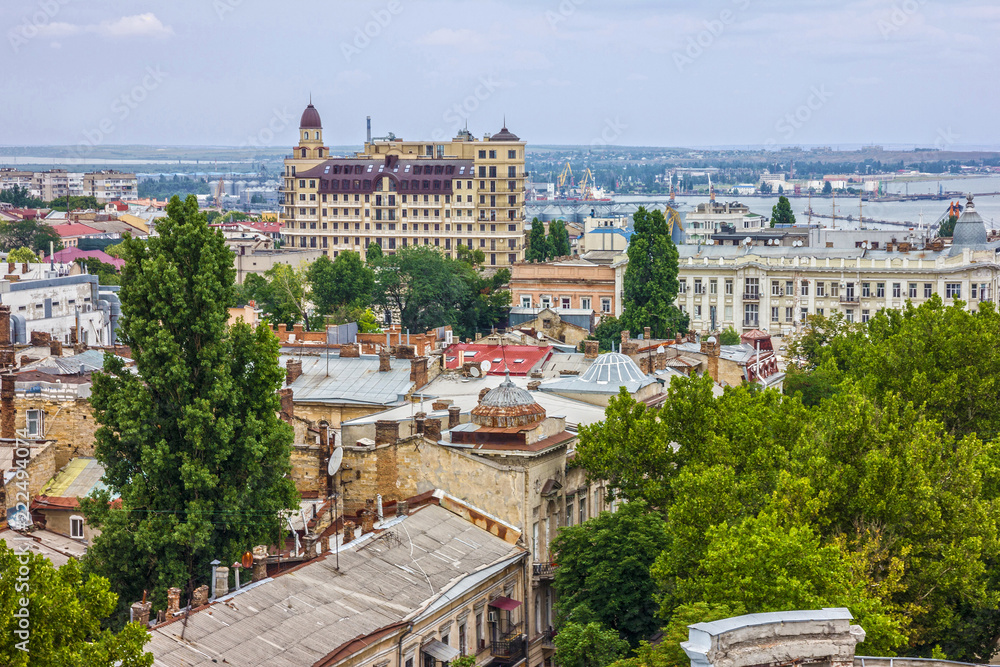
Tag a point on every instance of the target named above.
point(520, 359)
point(73, 229)
point(67, 255)
point(120, 206)
point(266, 227)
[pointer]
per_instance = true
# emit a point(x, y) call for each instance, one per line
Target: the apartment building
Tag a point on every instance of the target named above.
point(564, 284)
point(107, 185)
point(398, 193)
point(11, 178)
point(111, 185)
point(776, 288)
point(709, 218)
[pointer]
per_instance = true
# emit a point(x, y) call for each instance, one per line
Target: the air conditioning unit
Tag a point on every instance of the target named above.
point(492, 617)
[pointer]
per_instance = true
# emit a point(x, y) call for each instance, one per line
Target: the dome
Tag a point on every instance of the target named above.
point(507, 405)
point(614, 369)
point(310, 119)
point(505, 135)
point(969, 231)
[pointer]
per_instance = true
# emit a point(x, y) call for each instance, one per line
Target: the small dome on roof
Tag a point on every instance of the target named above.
point(970, 230)
point(505, 135)
point(615, 369)
point(310, 119)
point(507, 405)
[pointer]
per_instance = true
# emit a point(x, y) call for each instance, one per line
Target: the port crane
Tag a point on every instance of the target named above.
point(587, 185)
point(567, 173)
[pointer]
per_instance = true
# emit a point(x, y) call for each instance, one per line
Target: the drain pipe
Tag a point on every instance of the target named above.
point(399, 648)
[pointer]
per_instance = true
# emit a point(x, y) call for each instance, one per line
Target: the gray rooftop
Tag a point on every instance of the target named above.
point(714, 628)
point(606, 375)
point(299, 617)
point(970, 230)
point(354, 381)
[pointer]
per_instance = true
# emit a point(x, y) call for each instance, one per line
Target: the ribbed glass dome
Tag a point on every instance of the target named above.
point(969, 230)
point(615, 369)
point(506, 395)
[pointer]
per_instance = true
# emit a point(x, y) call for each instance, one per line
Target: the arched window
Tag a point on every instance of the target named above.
point(305, 135)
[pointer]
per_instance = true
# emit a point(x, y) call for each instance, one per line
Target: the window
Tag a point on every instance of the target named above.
point(512, 154)
point(713, 286)
point(729, 286)
point(928, 290)
point(697, 286)
point(803, 315)
point(569, 514)
point(834, 289)
point(788, 314)
point(697, 312)
point(913, 290)
point(897, 290)
point(804, 288)
point(752, 290)
point(866, 289)
point(865, 315)
point(525, 301)
point(76, 527)
point(462, 648)
point(585, 303)
point(789, 288)
point(538, 613)
point(774, 313)
point(820, 289)
point(564, 302)
point(750, 314)
point(35, 423)
point(606, 305)
point(682, 286)
point(546, 300)
point(953, 290)
point(583, 508)
point(880, 290)
point(775, 288)
point(534, 541)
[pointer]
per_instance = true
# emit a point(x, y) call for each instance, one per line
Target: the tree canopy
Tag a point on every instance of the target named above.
point(345, 281)
point(947, 229)
point(28, 234)
point(558, 241)
point(538, 243)
point(22, 254)
point(781, 213)
point(588, 645)
point(650, 284)
point(191, 442)
point(20, 197)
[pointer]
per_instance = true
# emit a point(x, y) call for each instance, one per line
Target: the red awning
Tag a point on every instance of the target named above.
point(505, 603)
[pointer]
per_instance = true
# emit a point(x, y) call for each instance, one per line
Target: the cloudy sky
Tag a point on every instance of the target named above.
point(627, 72)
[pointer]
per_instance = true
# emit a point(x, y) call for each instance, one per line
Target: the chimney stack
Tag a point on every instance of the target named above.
point(140, 612)
point(287, 397)
point(293, 369)
point(5, 325)
point(350, 351)
point(7, 414)
point(384, 361)
point(173, 601)
point(200, 597)
point(591, 348)
point(418, 372)
point(418, 420)
point(454, 416)
point(259, 563)
point(386, 432)
point(647, 333)
point(402, 508)
point(348, 532)
point(432, 429)
point(221, 581)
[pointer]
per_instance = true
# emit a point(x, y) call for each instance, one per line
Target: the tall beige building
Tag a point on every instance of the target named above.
point(398, 193)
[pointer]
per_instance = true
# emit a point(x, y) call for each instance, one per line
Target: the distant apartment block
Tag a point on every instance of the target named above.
point(110, 185)
point(398, 193)
point(105, 186)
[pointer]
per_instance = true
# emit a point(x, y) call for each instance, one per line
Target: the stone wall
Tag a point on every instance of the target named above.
point(41, 468)
point(306, 464)
point(70, 423)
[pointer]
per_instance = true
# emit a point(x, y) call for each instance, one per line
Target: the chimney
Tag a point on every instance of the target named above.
point(293, 369)
point(626, 334)
point(287, 405)
point(221, 581)
point(5, 325)
point(402, 508)
point(454, 416)
point(591, 348)
point(140, 612)
point(173, 601)
point(369, 119)
point(350, 351)
point(678, 339)
point(647, 333)
point(7, 413)
point(259, 563)
point(483, 392)
point(384, 361)
point(432, 429)
point(419, 420)
point(406, 351)
point(55, 348)
point(348, 532)
point(200, 597)
point(386, 432)
point(661, 361)
point(418, 372)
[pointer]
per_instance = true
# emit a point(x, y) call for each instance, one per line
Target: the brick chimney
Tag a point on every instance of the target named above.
point(647, 333)
point(350, 351)
point(454, 416)
point(386, 432)
point(5, 325)
point(661, 361)
point(259, 563)
point(626, 334)
point(200, 596)
point(293, 369)
point(367, 520)
point(384, 361)
point(55, 348)
point(173, 601)
point(678, 339)
point(287, 405)
point(712, 350)
point(591, 348)
point(348, 531)
point(140, 613)
point(418, 372)
point(419, 420)
point(406, 351)
point(432, 429)
point(7, 414)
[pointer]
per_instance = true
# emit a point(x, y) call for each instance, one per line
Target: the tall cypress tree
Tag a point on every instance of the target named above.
point(191, 442)
point(650, 284)
point(558, 245)
point(538, 245)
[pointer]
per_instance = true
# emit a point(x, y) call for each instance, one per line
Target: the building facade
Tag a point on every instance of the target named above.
point(708, 218)
point(399, 193)
point(111, 185)
point(567, 285)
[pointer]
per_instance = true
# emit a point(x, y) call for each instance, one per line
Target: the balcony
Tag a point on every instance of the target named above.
point(549, 639)
point(849, 298)
point(751, 296)
point(544, 570)
point(509, 647)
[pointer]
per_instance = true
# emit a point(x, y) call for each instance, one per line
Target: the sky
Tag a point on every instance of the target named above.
point(581, 72)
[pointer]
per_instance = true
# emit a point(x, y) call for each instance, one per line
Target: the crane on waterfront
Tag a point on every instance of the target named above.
point(567, 173)
point(587, 185)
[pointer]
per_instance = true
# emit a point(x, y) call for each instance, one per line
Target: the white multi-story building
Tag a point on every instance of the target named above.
point(41, 299)
point(776, 288)
point(708, 218)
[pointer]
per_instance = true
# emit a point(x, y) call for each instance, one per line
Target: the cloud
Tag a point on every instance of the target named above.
point(139, 25)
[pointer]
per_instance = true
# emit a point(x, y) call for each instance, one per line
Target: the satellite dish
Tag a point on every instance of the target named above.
point(660, 350)
point(486, 366)
point(336, 458)
point(474, 371)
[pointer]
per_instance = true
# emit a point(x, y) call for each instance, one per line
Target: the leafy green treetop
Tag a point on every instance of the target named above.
point(729, 336)
point(191, 442)
point(588, 645)
point(538, 244)
point(558, 241)
point(781, 213)
point(650, 284)
point(947, 229)
point(22, 254)
point(345, 281)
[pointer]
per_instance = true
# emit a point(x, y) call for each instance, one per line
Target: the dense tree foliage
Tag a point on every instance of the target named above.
point(588, 645)
point(730, 336)
point(22, 254)
point(609, 332)
point(281, 293)
point(179, 186)
point(76, 203)
point(781, 213)
point(603, 572)
point(28, 234)
point(190, 442)
point(345, 281)
point(538, 243)
point(107, 274)
point(650, 284)
point(62, 618)
point(947, 229)
point(558, 241)
point(20, 197)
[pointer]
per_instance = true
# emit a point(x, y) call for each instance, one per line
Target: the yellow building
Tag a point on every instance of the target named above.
point(398, 193)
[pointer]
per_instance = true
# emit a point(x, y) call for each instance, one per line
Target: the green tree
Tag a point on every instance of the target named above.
point(62, 618)
point(538, 244)
point(650, 284)
point(190, 442)
point(947, 228)
point(280, 293)
point(827, 187)
point(374, 255)
point(609, 332)
point(20, 197)
point(28, 233)
point(729, 336)
point(603, 572)
point(469, 255)
point(558, 241)
point(107, 274)
point(781, 213)
point(668, 652)
point(345, 281)
point(588, 645)
point(75, 203)
point(22, 254)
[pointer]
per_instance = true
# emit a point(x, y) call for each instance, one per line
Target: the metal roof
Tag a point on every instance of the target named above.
point(355, 381)
point(80, 476)
point(606, 375)
point(299, 617)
